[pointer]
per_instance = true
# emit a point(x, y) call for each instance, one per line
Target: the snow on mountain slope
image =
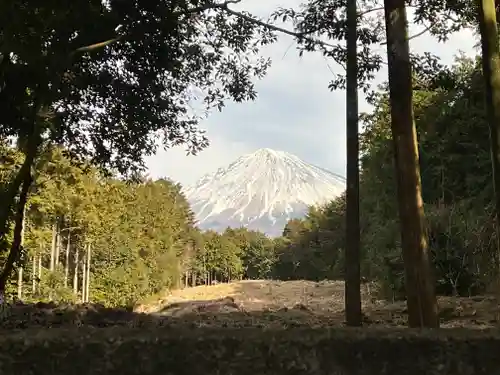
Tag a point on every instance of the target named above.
point(261, 191)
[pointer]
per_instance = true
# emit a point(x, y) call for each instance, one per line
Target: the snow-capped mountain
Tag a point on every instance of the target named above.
point(261, 191)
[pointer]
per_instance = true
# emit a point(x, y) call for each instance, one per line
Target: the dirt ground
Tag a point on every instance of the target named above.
point(313, 301)
point(264, 304)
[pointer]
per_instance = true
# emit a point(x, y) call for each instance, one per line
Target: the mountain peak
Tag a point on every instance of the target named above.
point(268, 152)
point(262, 191)
point(266, 155)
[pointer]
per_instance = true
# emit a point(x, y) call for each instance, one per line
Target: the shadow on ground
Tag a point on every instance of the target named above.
point(317, 303)
point(40, 339)
point(266, 304)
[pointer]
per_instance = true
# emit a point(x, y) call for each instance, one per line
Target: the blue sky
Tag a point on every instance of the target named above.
point(294, 111)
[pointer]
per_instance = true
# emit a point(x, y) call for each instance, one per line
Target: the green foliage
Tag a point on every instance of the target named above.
point(327, 20)
point(141, 235)
point(457, 190)
point(109, 103)
point(313, 247)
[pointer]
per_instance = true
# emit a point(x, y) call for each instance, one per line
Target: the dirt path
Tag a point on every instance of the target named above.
point(258, 295)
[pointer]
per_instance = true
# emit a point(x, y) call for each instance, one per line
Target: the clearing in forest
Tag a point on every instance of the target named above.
point(314, 301)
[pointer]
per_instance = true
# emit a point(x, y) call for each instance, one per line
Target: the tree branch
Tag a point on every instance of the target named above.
point(361, 14)
point(223, 6)
point(416, 35)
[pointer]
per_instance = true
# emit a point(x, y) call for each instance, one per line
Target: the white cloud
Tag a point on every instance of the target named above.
point(294, 112)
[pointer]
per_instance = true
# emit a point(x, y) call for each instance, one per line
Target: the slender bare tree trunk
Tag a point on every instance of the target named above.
point(353, 312)
point(33, 274)
point(421, 298)
point(84, 277)
point(87, 283)
point(53, 247)
point(39, 271)
point(20, 283)
point(491, 72)
point(58, 244)
point(20, 269)
point(66, 260)
point(75, 273)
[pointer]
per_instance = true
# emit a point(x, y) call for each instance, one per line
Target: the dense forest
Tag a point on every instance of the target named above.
point(91, 237)
point(457, 189)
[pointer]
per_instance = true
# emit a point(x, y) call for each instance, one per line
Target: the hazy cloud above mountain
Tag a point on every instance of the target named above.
point(294, 112)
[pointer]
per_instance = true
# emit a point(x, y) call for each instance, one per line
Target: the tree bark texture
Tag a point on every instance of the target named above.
point(491, 72)
point(421, 299)
point(15, 248)
point(352, 250)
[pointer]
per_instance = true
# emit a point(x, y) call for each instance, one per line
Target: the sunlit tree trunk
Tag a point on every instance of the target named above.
point(20, 269)
point(84, 277)
point(421, 299)
point(34, 261)
point(58, 244)
point(87, 276)
point(352, 249)
point(39, 271)
point(75, 273)
point(491, 72)
point(66, 260)
point(53, 247)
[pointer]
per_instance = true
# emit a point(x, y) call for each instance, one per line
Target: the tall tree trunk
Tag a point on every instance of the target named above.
point(39, 271)
point(20, 275)
point(66, 260)
point(58, 243)
point(75, 273)
point(8, 198)
point(421, 299)
point(491, 72)
point(53, 247)
point(352, 250)
point(87, 283)
point(15, 248)
point(20, 266)
point(33, 274)
point(84, 277)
